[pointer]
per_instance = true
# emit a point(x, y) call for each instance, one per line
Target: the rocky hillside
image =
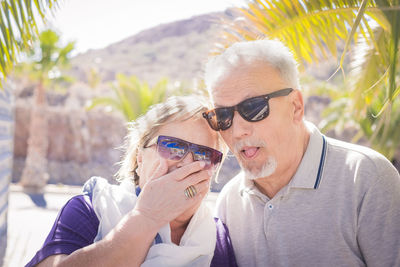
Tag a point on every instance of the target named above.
point(175, 50)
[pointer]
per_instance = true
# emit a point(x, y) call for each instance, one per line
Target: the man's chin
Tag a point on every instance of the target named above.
point(251, 175)
point(261, 172)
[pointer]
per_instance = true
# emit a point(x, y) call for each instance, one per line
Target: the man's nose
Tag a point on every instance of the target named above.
point(240, 127)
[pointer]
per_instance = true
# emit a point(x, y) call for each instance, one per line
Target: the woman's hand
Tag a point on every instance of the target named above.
point(162, 198)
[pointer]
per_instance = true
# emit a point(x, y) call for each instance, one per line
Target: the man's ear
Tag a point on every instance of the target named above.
point(298, 106)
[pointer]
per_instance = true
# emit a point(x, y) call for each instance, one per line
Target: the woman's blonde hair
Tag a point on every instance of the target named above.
point(145, 129)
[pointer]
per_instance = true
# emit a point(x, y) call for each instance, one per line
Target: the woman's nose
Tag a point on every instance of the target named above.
point(186, 160)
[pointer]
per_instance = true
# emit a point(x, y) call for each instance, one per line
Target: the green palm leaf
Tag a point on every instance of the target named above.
point(310, 28)
point(133, 97)
point(18, 27)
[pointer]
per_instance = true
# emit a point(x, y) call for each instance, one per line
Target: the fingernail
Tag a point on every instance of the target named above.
point(202, 164)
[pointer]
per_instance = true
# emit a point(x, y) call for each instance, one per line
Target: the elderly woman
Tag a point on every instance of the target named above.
point(155, 216)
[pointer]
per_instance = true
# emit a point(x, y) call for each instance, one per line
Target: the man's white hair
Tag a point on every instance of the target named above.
point(271, 52)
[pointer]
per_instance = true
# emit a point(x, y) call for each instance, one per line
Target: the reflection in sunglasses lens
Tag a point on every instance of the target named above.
point(176, 149)
point(254, 109)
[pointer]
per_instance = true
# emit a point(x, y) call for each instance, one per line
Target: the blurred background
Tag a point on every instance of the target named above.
point(73, 73)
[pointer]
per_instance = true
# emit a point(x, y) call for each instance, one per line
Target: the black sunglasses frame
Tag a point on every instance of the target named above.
point(220, 126)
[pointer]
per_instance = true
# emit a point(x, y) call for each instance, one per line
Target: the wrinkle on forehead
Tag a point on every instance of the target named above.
point(246, 81)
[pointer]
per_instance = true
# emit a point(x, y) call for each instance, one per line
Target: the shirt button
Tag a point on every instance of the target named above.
point(270, 206)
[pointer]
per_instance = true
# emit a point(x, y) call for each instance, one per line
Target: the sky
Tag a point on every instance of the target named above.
point(94, 24)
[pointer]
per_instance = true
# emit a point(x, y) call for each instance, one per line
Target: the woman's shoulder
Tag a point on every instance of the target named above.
point(78, 208)
point(77, 219)
point(223, 254)
point(223, 238)
point(75, 227)
point(221, 227)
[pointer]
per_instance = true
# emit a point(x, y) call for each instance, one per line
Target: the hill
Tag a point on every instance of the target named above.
point(175, 50)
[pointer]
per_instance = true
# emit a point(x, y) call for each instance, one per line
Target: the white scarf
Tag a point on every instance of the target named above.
point(112, 202)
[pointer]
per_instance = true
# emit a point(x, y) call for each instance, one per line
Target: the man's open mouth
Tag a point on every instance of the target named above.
point(249, 152)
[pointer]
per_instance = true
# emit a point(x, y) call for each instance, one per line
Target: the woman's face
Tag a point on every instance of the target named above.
point(193, 130)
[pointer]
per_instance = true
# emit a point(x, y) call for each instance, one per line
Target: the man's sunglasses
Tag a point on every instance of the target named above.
point(252, 109)
point(176, 149)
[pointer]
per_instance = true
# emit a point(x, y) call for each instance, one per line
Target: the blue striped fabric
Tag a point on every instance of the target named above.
point(321, 163)
point(6, 155)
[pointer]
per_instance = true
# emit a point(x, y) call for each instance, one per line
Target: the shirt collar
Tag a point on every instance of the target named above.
point(309, 172)
point(247, 186)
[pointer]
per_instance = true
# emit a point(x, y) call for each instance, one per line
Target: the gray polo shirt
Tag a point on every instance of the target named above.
point(341, 208)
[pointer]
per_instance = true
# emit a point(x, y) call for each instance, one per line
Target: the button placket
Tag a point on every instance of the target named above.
point(268, 213)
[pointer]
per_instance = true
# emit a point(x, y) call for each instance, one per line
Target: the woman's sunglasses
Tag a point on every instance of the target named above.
point(176, 149)
point(252, 109)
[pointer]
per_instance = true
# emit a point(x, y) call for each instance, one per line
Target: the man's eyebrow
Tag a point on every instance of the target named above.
point(225, 106)
point(219, 106)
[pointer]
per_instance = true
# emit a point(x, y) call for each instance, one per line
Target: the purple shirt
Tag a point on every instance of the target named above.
point(76, 227)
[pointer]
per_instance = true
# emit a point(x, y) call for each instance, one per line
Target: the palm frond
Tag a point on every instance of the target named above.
point(311, 29)
point(133, 97)
point(368, 67)
point(18, 27)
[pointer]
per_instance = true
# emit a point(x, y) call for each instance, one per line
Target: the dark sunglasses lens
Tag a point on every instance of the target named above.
point(254, 109)
point(211, 118)
point(172, 149)
point(224, 117)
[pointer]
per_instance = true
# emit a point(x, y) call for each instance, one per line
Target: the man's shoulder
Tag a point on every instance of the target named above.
point(340, 145)
point(363, 152)
point(362, 156)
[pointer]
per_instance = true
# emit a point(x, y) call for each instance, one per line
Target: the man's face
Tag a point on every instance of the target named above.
point(265, 147)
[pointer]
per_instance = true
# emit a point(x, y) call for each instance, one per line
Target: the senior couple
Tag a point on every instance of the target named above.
point(302, 199)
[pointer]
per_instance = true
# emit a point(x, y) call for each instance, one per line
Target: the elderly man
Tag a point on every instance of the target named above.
point(303, 199)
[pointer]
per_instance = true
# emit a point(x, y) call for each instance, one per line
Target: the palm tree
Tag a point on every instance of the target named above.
point(133, 97)
point(45, 68)
point(18, 27)
point(313, 28)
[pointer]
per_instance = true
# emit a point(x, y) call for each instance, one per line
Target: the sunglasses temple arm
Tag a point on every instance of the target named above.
point(282, 92)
